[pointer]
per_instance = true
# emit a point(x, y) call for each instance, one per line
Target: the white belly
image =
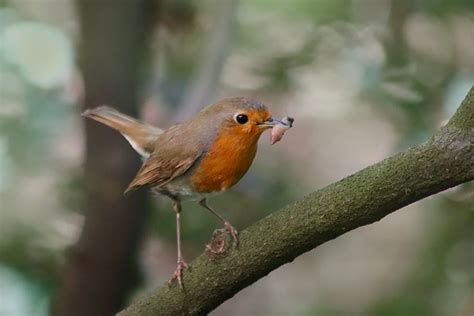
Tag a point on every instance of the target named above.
point(182, 188)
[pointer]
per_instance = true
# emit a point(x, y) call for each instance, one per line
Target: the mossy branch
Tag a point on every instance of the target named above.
point(444, 161)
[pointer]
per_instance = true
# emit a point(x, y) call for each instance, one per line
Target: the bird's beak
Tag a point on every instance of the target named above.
point(267, 124)
point(273, 121)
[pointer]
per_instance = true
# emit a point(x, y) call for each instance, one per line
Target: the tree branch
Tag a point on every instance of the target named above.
point(444, 161)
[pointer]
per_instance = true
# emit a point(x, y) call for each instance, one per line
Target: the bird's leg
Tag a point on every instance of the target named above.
point(228, 227)
point(178, 273)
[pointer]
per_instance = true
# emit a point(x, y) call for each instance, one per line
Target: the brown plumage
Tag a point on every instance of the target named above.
point(140, 135)
point(191, 160)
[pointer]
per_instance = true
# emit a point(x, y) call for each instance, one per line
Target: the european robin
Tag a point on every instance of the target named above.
point(198, 158)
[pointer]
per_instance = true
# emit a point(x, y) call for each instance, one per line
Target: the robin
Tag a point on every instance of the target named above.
point(198, 158)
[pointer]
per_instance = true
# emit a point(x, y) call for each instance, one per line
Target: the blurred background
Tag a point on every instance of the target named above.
point(363, 79)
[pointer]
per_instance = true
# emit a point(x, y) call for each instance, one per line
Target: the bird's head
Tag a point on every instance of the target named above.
point(241, 116)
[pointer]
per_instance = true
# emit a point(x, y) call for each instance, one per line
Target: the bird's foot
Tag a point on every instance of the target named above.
point(178, 273)
point(219, 244)
point(233, 232)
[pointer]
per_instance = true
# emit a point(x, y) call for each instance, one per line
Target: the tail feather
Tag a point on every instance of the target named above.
point(141, 136)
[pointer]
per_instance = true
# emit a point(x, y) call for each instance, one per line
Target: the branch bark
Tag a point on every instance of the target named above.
point(444, 161)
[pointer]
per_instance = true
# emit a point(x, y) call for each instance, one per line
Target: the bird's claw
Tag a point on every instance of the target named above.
point(233, 232)
point(178, 273)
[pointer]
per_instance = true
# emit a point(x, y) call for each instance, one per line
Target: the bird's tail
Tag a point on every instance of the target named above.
point(141, 136)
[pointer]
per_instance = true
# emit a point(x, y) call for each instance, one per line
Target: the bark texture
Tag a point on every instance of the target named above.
point(444, 161)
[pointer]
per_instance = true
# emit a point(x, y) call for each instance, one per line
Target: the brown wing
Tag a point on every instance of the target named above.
point(175, 152)
point(157, 172)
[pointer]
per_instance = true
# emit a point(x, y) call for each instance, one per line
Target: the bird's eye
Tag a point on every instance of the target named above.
point(241, 118)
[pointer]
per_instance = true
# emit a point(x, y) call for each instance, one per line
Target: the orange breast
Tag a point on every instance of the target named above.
point(228, 159)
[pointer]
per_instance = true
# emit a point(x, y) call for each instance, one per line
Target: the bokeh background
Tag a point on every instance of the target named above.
point(363, 79)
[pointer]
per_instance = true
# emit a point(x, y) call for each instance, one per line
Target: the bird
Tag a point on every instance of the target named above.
point(198, 158)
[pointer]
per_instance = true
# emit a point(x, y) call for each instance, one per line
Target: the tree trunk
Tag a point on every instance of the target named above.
point(100, 269)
